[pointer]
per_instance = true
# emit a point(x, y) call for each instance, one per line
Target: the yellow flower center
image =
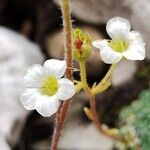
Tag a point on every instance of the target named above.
point(49, 86)
point(119, 45)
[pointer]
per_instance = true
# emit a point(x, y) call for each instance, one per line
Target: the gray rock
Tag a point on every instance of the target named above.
point(84, 137)
point(3, 144)
point(16, 54)
point(54, 45)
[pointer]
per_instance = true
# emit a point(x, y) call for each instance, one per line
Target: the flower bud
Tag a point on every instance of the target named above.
point(82, 45)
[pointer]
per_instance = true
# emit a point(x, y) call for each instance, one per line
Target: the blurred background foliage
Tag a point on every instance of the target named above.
point(137, 115)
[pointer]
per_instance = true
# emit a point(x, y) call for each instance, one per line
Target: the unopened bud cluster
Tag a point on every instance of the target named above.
point(82, 45)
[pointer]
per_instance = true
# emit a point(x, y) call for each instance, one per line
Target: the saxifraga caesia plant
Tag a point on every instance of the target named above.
point(48, 92)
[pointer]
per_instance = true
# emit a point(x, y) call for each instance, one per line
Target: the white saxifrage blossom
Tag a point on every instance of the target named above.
point(45, 87)
point(123, 43)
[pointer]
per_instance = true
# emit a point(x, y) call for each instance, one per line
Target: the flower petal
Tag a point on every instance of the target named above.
point(107, 54)
point(66, 90)
point(136, 37)
point(97, 43)
point(29, 97)
point(47, 106)
point(34, 76)
point(55, 67)
point(136, 50)
point(118, 28)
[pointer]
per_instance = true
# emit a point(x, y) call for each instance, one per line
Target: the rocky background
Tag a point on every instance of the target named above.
point(30, 32)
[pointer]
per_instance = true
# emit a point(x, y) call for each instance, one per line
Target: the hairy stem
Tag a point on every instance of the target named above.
point(61, 114)
point(83, 75)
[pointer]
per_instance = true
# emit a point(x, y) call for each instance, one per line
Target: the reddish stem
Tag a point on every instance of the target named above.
point(62, 112)
point(95, 118)
point(60, 117)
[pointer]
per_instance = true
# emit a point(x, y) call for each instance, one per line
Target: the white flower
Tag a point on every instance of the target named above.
point(45, 87)
point(123, 43)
